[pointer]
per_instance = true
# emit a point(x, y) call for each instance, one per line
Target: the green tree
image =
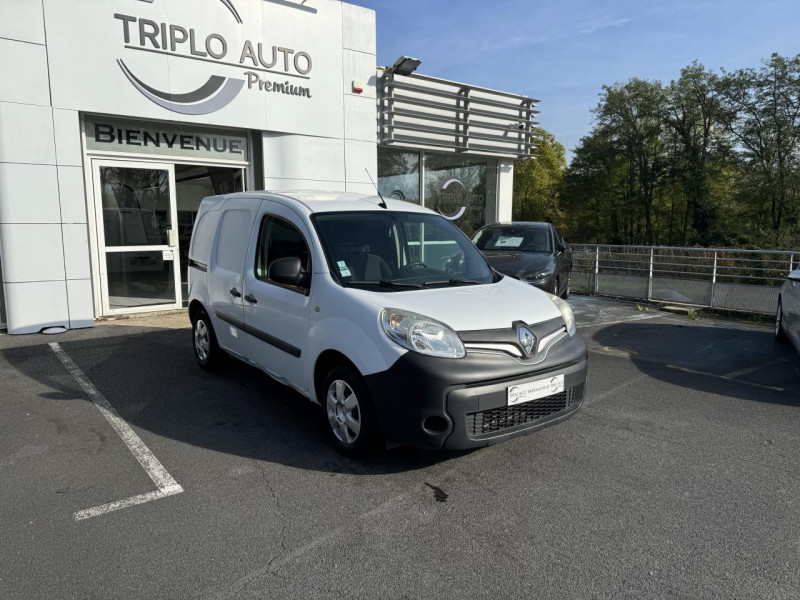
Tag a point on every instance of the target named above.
point(763, 116)
point(631, 115)
point(594, 192)
point(694, 116)
point(710, 159)
point(537, 182)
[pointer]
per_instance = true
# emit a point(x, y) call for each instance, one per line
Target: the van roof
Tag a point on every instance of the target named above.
point(314, 201)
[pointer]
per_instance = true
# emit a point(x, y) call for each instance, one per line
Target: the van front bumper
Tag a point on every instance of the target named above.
point(462, 403)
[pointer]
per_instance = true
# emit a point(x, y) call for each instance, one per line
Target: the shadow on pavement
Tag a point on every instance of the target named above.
point(713, 359)
point(153, 382)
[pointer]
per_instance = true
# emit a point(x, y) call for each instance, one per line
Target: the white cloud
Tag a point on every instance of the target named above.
point(604, 23)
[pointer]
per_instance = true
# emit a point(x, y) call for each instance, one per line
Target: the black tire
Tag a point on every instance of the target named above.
point(565, 295)
point(342, 387)
point(207, 352)
point(780, 334)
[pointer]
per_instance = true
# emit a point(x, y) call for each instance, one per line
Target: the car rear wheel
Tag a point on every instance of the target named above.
point(780, 334)
point(204, 341)
point(349, 413)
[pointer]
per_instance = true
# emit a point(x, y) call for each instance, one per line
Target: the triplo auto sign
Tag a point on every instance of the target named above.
point(454, 199)
point(266, 65)
point(256, 58)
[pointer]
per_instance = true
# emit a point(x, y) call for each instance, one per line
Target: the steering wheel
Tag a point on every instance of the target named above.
point(455, 264)
point(416, 265)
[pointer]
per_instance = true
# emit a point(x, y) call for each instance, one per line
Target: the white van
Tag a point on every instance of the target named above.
point(385, 314)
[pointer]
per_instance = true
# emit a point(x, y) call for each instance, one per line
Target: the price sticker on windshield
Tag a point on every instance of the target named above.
point(344, 270)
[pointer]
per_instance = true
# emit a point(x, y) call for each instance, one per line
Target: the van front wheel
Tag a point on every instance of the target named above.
point(349, 413)
point(204, 341)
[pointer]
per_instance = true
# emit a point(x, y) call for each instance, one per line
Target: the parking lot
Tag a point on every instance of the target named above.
point(679, 477)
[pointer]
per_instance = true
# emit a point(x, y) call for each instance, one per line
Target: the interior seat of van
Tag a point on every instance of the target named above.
point(362, 263)
point(365, 250)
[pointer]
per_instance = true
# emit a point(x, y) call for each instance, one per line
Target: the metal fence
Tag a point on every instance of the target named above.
point(743, 280)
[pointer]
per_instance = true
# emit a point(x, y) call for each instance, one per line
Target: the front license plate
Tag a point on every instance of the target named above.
point(517, 394)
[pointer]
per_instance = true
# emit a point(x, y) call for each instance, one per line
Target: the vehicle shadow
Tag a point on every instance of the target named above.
point(716, 359)
point(154, 383)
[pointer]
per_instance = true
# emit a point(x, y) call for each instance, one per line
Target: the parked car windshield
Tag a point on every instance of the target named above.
point(391, 251)
point(514, 238)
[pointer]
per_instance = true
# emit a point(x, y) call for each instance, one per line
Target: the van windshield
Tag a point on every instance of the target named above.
point(391, 251)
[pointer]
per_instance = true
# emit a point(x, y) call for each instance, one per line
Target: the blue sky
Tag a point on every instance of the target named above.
point(562, 52)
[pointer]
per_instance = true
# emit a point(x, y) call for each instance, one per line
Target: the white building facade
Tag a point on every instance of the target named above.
point(118, 116)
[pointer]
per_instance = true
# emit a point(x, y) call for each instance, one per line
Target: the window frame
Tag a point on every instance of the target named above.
point(305, 291)
point(560, 239)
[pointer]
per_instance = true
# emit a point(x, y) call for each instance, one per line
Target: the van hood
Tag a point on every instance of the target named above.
point(474, 307)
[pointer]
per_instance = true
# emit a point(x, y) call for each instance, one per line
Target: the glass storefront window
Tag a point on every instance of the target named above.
point(462, 188)
point(192, 184)
point(138, 279)
point(398, 174)
point(136, 206)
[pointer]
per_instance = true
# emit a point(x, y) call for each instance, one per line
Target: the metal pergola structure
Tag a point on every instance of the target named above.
point(428, 112)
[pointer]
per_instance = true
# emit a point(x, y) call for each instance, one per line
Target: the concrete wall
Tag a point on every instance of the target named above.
point(294, 161)
point(44, 245)
point(505, 189)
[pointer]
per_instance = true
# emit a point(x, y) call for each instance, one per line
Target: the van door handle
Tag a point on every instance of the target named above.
point(251, 299)
point(235, 293)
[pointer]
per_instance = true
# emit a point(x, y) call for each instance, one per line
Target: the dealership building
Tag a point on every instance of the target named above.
point(117, 117)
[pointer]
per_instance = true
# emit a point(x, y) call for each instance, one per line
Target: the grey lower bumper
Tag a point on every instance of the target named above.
point(442, 403)
point(481, 415)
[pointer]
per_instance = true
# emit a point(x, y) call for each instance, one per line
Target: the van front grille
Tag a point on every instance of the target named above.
point(499, 419)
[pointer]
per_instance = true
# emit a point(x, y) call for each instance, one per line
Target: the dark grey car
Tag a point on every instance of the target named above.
point(532, 252)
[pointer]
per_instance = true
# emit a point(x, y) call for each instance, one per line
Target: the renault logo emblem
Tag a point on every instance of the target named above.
point(527, 339)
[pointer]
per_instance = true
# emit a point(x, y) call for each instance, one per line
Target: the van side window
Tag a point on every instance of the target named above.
point(279, 239)
point(234, 234)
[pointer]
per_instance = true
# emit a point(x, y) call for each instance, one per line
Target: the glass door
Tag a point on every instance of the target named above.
point(193, 183)
point(137, 221)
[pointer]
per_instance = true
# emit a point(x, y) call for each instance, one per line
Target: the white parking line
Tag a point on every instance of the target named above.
point(167, 486)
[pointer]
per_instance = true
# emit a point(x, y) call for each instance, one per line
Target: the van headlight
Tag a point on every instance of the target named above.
point(566, 313)
point(421, 334)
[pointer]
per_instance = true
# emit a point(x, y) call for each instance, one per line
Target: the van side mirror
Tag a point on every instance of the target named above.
point(289, 271)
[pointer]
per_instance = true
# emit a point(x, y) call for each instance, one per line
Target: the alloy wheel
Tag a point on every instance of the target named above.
point(202, 342)
point(344, 412)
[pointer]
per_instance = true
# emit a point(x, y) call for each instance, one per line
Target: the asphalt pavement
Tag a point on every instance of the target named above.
point(678, 477)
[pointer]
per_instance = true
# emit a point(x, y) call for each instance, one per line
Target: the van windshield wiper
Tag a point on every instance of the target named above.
point(388, 283)
point(453, 282)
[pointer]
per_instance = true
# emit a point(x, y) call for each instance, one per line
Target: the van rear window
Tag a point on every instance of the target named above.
point(234, 235)
point(203, 236)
